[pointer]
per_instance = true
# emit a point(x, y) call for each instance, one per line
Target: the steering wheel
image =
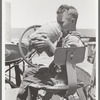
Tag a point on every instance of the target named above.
point(32, 52)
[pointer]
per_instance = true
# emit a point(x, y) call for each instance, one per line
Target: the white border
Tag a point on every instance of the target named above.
point(97, 35)
point(3, 50)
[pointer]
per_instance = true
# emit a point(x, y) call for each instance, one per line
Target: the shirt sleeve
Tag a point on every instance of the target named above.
point(73, 41)
point(51, 30)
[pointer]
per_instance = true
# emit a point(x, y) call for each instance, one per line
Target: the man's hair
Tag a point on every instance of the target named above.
point(71, 10)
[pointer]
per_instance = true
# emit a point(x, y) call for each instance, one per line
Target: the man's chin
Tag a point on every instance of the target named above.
point(64, 33)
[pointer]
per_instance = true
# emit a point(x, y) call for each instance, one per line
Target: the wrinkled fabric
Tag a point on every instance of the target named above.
point(54, 74)
point(51, 29)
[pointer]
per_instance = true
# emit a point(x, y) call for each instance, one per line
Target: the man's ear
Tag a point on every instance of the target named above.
point(73, 24)
point(73, 20)
point(59, 17)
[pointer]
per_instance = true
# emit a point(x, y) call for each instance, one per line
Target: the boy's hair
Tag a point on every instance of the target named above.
point(71, 10)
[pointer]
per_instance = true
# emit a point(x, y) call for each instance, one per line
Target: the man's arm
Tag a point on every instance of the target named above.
point(51, 50)
point(43, 43)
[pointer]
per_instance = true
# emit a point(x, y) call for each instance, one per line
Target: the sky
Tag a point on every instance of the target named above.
point(25, 13)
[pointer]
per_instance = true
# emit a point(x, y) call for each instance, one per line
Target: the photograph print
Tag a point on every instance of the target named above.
point(50, 49)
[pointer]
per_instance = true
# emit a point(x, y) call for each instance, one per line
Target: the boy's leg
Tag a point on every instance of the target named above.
point(29, 71)
point(28, 94)
point(32, 93)
point(22, 94)
point(23, 90)
point(30, 76)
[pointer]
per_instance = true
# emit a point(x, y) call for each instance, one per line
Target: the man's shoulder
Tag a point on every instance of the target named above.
point(76, 33)
point(75, 36)
point(73, 39)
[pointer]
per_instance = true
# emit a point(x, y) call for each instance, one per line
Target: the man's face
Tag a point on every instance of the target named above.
point(65, 22)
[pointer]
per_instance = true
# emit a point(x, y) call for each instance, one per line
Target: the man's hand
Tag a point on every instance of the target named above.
point(41, 42)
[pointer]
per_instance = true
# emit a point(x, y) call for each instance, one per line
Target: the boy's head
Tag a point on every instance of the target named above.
point(67, 17)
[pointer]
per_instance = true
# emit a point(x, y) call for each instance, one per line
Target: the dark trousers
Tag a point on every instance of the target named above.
point(42, 76)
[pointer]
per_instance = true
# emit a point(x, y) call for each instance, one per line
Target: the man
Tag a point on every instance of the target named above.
point(64, 32)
